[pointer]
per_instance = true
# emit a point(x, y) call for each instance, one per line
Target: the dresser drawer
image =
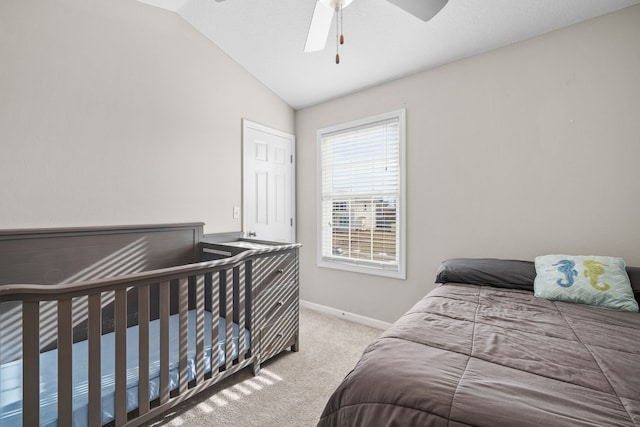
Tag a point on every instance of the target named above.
point(275, 270)
point(279, 334)
point(274, 303)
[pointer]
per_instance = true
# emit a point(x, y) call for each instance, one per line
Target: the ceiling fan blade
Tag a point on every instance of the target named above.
point(423, 9)
point(319, 28)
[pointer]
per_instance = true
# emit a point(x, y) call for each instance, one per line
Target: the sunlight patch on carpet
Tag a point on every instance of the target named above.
point(176, 422)
point(205, 407)
point(240, 390)
point(264, 380)
point(230, 395)
point(271, 374)
point(217, 400)
point(253, 384)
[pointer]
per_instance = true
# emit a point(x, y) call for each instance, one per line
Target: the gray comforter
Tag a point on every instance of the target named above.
point(477, 355)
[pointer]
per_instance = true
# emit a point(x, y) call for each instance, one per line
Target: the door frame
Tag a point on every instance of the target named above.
point(248, 124)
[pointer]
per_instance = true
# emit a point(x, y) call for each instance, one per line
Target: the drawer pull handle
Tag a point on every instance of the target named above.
point(273, 310)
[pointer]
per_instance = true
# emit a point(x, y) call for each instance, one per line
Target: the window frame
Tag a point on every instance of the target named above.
point(351, 264)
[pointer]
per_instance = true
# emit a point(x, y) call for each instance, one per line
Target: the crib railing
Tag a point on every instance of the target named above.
point(223, 286)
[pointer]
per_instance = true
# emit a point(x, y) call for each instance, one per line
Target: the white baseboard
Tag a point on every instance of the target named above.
point(364, 320)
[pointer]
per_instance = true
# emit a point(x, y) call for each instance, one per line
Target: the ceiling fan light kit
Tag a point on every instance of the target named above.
point(423, 9)
point(325, 9)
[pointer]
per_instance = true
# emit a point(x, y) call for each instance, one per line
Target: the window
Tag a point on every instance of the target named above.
point(361, 190)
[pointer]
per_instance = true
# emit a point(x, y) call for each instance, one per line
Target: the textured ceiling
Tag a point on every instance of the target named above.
point(383, 42)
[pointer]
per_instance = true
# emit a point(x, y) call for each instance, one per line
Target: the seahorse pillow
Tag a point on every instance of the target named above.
point(592, 280)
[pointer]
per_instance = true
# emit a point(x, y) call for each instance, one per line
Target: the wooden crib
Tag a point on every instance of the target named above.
point(118, 324)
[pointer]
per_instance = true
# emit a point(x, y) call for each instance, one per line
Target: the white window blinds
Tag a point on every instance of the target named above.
point(361, 195)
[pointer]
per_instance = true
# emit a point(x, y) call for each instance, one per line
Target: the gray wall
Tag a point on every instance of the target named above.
point(526, 150)
point(116, 112)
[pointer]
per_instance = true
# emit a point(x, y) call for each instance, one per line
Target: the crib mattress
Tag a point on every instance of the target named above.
point(11, 373)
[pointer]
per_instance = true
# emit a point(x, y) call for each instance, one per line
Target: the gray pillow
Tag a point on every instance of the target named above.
point(502, 273)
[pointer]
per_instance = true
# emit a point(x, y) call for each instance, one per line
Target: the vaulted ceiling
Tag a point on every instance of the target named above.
point(382, 41)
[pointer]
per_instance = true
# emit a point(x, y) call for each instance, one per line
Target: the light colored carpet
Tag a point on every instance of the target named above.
point(291, 389)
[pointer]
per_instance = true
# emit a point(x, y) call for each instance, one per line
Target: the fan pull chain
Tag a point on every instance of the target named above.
point(337, 38)
point(339, 35)
point(341, 26)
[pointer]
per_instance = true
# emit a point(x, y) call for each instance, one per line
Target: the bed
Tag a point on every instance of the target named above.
point(119, 324)
point(482, 349)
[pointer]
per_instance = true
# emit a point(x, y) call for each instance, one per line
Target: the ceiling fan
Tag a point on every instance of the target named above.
point(325, 9)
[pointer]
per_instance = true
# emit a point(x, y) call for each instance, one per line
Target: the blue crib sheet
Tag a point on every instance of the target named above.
point(11, 373)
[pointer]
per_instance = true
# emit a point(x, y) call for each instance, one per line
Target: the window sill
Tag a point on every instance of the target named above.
point(362, 269)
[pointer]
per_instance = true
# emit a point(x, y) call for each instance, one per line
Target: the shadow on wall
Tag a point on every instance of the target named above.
point(132, 258)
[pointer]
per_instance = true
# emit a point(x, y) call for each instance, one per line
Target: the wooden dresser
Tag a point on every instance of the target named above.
point(275, 297)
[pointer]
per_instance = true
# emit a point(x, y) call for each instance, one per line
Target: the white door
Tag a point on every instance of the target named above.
point(268, 184)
